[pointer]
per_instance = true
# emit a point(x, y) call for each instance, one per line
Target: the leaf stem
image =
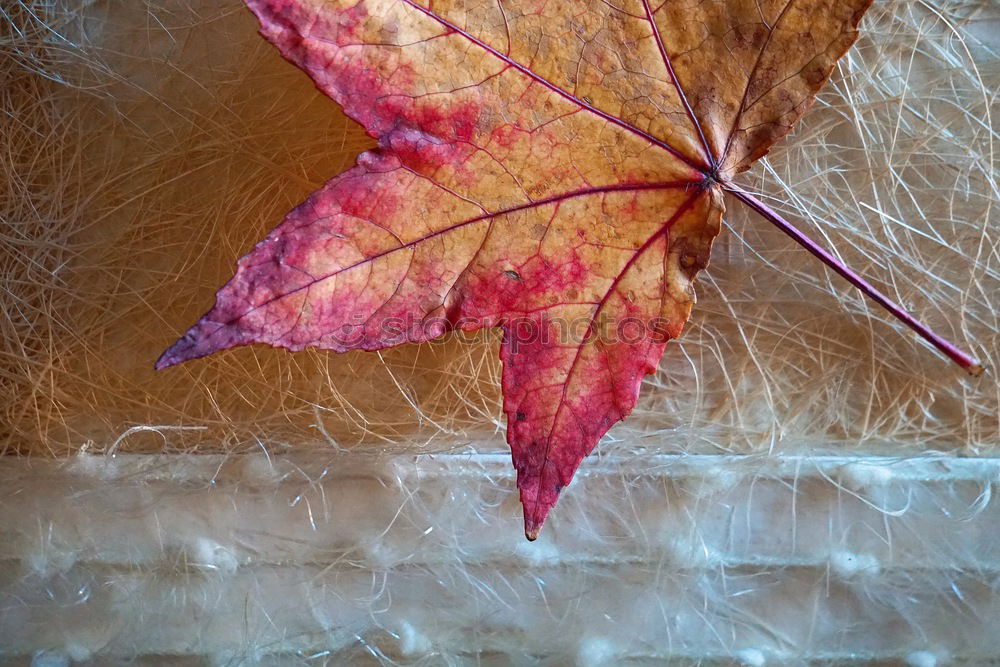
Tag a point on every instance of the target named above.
point(971, 365)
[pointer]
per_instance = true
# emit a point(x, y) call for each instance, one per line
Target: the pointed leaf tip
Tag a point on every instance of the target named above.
point(533, 522)
point(168, 358)
point(536, 510)
point(201, 340)
point(175, 354)
point(182, 350)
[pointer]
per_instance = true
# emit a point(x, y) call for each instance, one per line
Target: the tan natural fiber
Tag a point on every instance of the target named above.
point(144, 148)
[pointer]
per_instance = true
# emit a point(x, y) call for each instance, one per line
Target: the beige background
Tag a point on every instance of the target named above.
point(146, 146)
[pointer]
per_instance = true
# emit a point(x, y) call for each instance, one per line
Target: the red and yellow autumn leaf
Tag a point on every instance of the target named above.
point(551, 167)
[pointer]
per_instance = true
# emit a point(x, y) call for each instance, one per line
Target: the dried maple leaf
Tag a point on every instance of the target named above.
point(555, 168)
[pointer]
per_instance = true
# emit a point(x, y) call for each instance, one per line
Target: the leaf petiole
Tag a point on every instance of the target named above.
point(971, 365)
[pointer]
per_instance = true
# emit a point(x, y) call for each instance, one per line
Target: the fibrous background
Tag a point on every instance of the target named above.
point(144, 147)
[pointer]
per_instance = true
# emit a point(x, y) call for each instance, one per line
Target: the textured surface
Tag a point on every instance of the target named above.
point(553, 170)
point(144, 157)
point(741, 560)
